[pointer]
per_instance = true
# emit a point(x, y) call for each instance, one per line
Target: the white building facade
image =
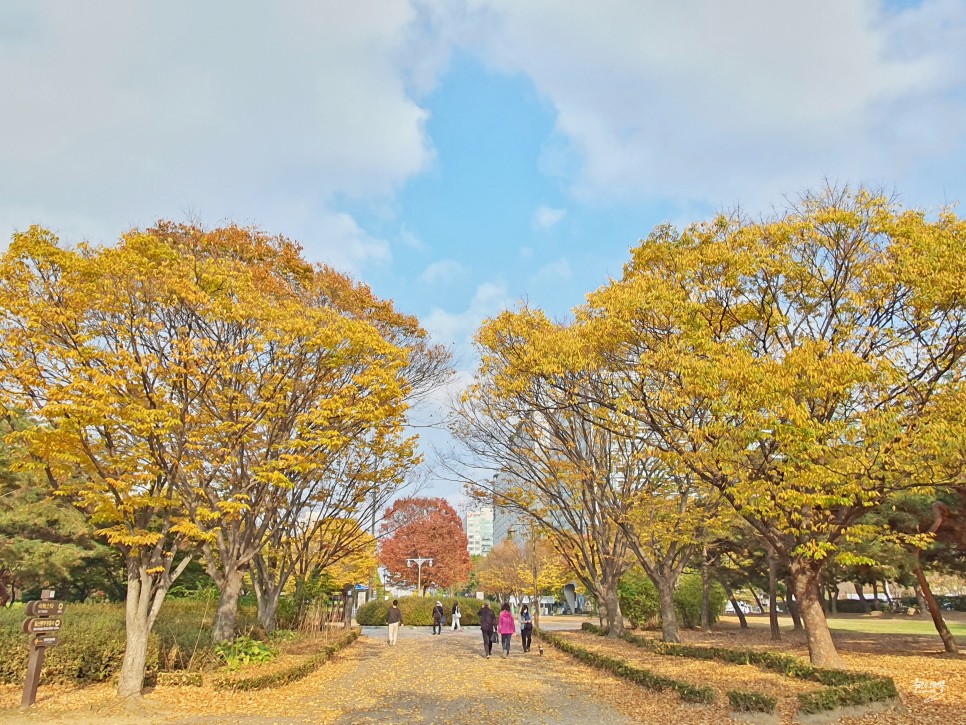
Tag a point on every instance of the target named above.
point(479, 530)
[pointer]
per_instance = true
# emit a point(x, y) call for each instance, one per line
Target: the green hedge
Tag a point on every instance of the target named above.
point(878, 689)
point(91, 646)
point(637, 675)
point(748, 701)
point(92, 641)
point(842, 688)
point(418, 611)
point(290, 674)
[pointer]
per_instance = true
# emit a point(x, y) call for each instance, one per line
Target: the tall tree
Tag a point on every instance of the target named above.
point(560, 464)
point(94, 350)
point(803, 366)
point(427, 528)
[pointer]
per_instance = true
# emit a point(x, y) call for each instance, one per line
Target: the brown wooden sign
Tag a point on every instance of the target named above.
point(40, 625)
point(45, 608)
point(45, 619)
point(46, 640)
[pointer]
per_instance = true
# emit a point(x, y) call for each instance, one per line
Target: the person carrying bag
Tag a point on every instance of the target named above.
point(526, 627)
point(488, 628)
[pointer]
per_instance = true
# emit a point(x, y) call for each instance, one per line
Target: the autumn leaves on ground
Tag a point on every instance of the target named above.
point(427, 679)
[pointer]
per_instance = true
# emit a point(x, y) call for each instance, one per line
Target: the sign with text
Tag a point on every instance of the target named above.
point(45, 608)
point(44, 621)
point(40, 625)
point(47, 640)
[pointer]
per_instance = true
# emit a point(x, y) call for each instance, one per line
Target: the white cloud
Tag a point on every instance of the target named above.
point(723, 101)
point(445, 270)
point(546, 217)
point(457, 328)
point(554, 271)
point(123, 112)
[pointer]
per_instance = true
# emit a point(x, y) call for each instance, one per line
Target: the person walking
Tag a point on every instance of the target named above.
point(439, 619)
point(394, 620)
point(526, 627)
point(488, 627)
point(506, 627)
point(457, 615)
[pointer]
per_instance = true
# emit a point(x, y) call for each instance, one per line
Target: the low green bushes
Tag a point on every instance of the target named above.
point(91, 646)
point(289, 674)
point(637, 675)
point(842, 687)
point(639, 600)
point(742, 701)
point(864, 692)
point(92, 641)
point(418, 611)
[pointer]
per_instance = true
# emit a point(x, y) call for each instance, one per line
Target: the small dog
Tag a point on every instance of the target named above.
point(540, 649)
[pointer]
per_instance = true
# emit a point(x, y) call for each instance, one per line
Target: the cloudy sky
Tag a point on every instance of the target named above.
point(460, 156)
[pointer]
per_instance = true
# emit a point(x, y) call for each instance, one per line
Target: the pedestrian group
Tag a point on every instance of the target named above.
point(494, 629)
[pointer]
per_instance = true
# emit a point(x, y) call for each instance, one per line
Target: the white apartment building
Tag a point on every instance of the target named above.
point(479, 530)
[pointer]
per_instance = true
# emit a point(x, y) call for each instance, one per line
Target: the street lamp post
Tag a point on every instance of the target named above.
point(419, 561)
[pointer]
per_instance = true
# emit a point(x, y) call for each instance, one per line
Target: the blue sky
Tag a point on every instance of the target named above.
point(462, 156)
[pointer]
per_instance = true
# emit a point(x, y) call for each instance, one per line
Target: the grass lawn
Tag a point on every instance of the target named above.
point(897, 624)
point(885, 624)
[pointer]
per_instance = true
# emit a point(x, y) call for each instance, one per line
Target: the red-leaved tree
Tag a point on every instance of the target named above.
point(428, 528)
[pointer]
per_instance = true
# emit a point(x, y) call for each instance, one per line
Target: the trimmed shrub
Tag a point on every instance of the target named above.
point(290, 674)
point(852, 606)
point(741, 701)
point(688, 596)
point(637, 675)
point(842, 688)
point(418, 611)
point(874, 689)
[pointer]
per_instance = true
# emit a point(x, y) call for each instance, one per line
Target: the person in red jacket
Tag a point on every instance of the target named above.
point(506, 627)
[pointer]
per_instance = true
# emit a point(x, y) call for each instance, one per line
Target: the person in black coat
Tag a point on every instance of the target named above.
point(487, 626)
point(438, 618)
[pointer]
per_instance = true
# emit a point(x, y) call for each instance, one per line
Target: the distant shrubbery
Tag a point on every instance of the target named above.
point(639, 601)
point(418, 611)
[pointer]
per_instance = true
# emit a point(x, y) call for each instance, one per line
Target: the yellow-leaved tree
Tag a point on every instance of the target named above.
point(802, 366)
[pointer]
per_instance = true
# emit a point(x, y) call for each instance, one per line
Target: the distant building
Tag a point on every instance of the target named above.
point(508, 524)
point(479, 530)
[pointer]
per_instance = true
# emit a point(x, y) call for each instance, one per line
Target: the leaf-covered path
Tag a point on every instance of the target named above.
point(423, 679)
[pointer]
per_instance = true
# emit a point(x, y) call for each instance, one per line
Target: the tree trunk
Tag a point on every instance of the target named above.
point(734, 603)
point(136, 633)
point(145, 594)
point(268, 610)
point(791, 604)
point(705, 592)
point(223, 629)
point(861, 596)
point(821, 648)
point(776, 632)
point(833, 599)
point(949, 644)
point(669, 616)
point(921, 601)
point(875, 594)
point(267, 593)
point(615, 618)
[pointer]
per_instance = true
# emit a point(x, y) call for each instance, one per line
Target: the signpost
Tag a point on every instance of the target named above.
point(44, 621)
